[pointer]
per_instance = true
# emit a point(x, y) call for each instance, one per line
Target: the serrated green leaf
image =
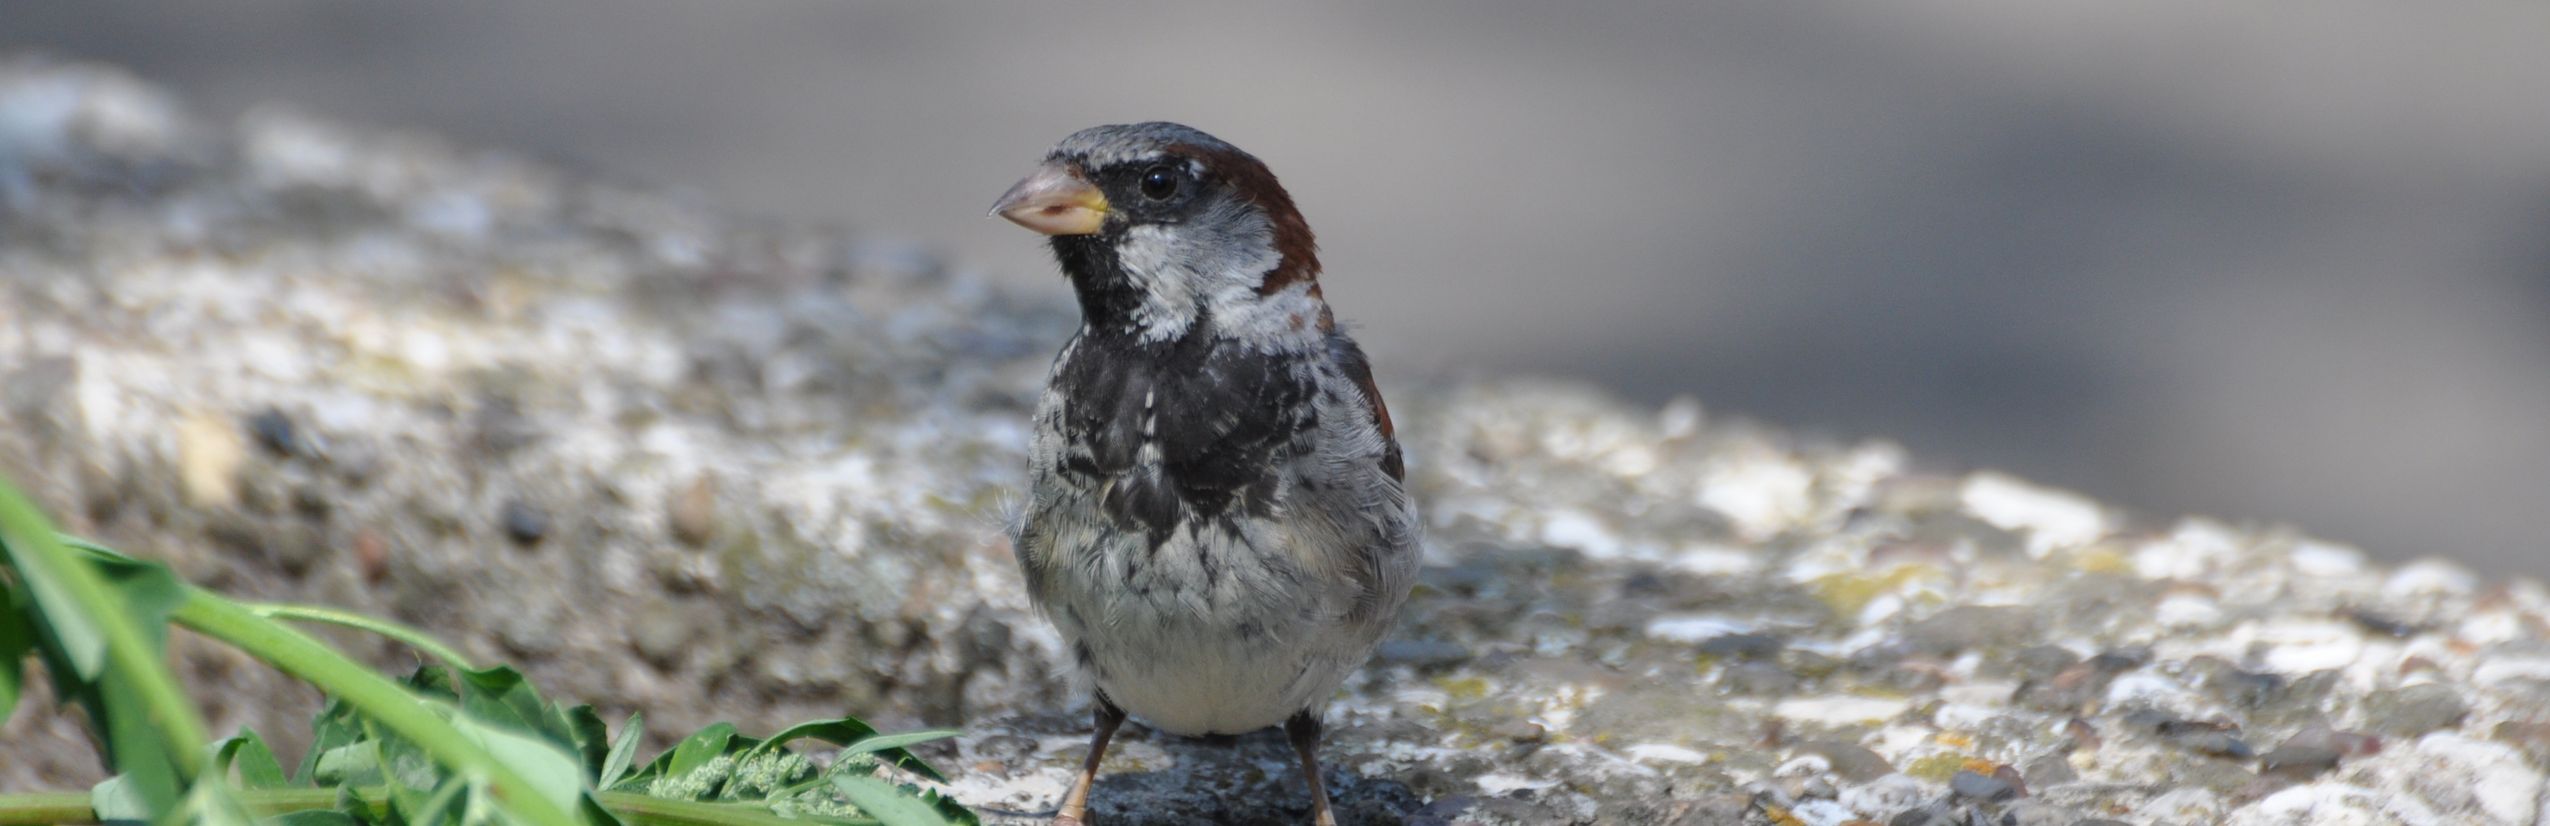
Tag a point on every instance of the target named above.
point(501, 696)
point(615, 766)
point(256, 763)
point(313, 817)
point(696, 750)
point(888, 803)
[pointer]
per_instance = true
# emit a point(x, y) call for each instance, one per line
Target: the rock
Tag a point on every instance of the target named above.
point(1932, 815)
point(759, 473)
point(2218, 738)
point(1973, 786)
point(2050, 770)
point(1850, 761)
point(2299, 760)
point(691, 512)
point(2316, 749)
point(1742, 646)
point(209, 455)
point(2415, 710)
point(524, 522)
point(1969, 626)
point(275, 432)
point(2038, 662)
point(664, 637)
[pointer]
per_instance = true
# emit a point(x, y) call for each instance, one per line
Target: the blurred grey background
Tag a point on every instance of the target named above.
point(2269, 262)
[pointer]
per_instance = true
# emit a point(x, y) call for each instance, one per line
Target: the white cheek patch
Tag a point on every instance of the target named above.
point(1286, 321)
point(1186, 269)
point(1154, 258)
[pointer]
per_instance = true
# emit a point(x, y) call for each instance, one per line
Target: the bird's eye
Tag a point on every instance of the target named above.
point(1159, 183)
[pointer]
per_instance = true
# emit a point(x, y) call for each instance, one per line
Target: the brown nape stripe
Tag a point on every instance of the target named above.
point(1293, 239)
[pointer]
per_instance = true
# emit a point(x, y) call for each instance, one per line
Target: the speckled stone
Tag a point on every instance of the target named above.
point(310, 362)
point(2413, 710)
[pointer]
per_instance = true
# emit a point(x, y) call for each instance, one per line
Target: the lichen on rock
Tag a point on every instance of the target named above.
point(669, 460)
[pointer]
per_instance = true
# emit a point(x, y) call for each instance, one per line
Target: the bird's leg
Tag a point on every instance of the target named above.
point(1303, 730)
point(1075, 806)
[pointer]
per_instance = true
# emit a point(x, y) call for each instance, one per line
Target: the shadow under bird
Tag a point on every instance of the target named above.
point(1215, 520)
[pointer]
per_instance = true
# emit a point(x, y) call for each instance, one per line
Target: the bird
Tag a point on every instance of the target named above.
point(1217, 521)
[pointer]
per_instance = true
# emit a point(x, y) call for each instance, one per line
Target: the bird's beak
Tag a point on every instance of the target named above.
point(1055, 201)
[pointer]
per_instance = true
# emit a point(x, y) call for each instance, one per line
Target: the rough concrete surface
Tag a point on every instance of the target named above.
point(707, 468)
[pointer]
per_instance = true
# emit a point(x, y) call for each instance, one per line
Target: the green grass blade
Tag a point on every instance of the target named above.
point(405, 635)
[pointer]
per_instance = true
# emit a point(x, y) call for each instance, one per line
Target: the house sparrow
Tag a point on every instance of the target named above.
point(1215, 517)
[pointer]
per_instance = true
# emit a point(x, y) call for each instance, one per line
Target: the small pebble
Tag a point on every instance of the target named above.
point(2298, 761)
point(2038, 662)
point(1520, 732)
point(275, 432)
point(2051, 770)
point(2213, 737)
point(2344, 743)
point(692, 511)
point(1973, 786)
point(1931, 815)
point(525, 523)
point(1969, 626)
point(2236, 686)
point(1851, 761)
point(662, 636)
point(1743, 646)
point(372, 556)
point(500, 428)
point(2382, 624)
point(2415, 710)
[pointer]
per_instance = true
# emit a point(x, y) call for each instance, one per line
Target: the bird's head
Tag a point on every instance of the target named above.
point(1166, 231)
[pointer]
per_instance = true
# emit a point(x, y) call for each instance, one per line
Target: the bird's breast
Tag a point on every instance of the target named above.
point(1167, 433)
